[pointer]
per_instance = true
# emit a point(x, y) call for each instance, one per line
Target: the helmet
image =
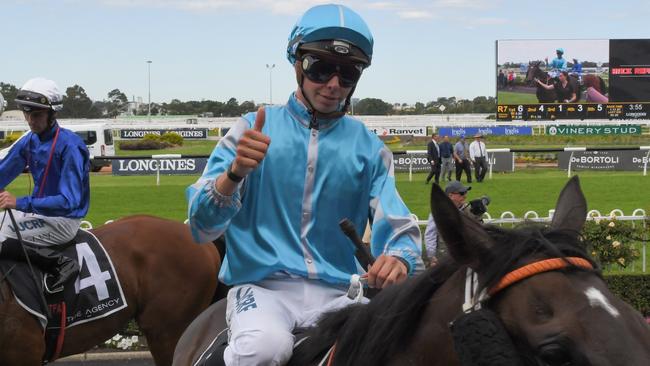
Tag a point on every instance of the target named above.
point(331, 29)
point(39, 93)
point(560, 50)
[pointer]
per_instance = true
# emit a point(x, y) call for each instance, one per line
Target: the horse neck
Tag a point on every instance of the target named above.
point(447, 302)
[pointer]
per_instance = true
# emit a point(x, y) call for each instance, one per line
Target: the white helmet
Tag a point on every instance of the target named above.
point(39, 93)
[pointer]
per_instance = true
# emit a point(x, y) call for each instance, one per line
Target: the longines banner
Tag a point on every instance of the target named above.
point(627, 160)
point(471, 131)
point(187, 133)
point(167, 166)
point(397, 131)
point(501, 162)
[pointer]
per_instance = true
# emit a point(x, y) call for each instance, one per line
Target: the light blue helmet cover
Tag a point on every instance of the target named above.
point(331, 21)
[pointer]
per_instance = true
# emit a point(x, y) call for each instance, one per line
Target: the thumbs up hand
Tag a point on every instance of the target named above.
point(252, 147)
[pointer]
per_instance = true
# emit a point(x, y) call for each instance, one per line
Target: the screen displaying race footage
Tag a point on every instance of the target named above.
point(573, 79)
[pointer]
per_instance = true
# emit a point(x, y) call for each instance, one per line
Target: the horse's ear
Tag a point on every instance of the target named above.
point(571, 208)
point(466, 239)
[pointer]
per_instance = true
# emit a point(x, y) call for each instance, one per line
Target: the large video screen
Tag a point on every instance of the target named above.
point(573, 79)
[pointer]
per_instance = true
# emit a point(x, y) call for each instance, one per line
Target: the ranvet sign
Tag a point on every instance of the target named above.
point(179, 166)
point(187, 133)
point(397, 131)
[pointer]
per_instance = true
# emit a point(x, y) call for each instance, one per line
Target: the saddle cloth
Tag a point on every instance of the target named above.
point(94, 294)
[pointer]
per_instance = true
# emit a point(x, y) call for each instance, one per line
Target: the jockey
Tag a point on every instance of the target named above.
point(59, 163)
point(558, 64)
point(279, 183)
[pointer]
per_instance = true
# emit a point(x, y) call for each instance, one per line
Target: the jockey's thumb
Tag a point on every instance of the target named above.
point(259, 119)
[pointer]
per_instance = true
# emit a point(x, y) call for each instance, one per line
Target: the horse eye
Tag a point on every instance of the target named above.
point(555, 355)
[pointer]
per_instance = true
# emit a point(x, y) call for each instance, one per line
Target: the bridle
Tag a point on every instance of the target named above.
point(473, 299)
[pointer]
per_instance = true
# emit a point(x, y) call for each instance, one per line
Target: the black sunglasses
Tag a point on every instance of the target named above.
point(321, 71)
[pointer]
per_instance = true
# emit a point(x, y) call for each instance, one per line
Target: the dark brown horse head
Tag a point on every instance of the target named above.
point(535, 71)
point(560, 317)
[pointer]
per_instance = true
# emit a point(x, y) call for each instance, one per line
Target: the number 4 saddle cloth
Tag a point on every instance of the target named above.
point(94, 294)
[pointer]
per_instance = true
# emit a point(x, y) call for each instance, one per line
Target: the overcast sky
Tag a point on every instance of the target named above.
point(217, 49)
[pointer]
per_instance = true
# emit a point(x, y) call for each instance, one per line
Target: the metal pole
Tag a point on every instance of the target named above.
point(149, 83)
point(490, 164)
point(270, 68)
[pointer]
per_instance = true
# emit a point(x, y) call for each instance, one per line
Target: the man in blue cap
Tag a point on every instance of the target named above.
point(278, 184)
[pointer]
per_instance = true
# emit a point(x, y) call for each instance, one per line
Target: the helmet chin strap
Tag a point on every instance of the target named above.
point(316, 114)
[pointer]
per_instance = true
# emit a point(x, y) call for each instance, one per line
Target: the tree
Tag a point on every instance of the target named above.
point(373, 106)
point(9, 93)
point(77, 104)
point(117, 103)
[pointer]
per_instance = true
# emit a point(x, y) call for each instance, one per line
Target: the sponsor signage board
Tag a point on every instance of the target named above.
point(593, 130)
point(182, 166)
point(622, 160)
point(187, 133)
point(400, 131)
point(471, 131)
point(418, 162)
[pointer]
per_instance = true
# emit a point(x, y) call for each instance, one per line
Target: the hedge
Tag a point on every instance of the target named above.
point(633, 289)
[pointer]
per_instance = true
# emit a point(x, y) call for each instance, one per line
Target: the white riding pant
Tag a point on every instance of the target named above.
point(262, 316)
point(39, 229)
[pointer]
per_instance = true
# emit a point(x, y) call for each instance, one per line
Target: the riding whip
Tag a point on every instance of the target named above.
point(362, 253)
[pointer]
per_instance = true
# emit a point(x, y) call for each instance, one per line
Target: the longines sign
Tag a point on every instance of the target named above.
point(187, 133)
point(180, 166)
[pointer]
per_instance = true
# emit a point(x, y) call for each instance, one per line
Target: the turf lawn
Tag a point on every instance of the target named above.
point(113, 197)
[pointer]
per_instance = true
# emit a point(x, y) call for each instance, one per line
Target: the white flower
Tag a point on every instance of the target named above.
point(616, 244)
point(609, 237)
point(116, 337)
point(621, 261)
point(134, 339)
point(611, 224)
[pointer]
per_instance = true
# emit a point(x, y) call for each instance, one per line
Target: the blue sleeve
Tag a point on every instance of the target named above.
point(210, 212)
point(74, 169)
point(14, 163)
point(394, 230)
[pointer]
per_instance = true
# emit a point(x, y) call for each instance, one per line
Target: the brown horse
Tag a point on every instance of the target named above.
point(166, 278)
point(555, 310)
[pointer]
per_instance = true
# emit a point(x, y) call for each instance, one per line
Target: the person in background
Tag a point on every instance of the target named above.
point(59, 163)
point(433, 156)
point(461, 157)
point(478, 156)
point(457, 192)
point(280, 181)
point(446, 158)
point(576, 70)
point(558, 64)
point(566, 92)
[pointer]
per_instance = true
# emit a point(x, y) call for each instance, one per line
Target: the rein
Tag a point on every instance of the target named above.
point(473, 302)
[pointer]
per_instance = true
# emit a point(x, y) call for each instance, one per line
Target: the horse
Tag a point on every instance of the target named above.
point(546, 296)
point(166, 278)
point(599, 86)
point(544, 95)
